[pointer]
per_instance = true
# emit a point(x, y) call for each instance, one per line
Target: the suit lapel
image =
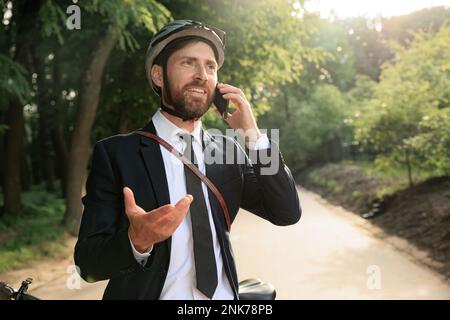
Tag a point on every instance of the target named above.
point(151, 154)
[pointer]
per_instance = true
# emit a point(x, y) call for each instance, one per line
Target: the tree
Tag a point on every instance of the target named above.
point(13, 85)
point(24, 17)
point(432, 144)
point(118, 16)
point(413, 89)
point(315, 130)
point(266, 47)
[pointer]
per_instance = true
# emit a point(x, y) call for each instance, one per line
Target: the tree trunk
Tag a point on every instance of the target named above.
point(62, 154)
point(2, 155)
point(45, 123)
point(13, 159)
point(409, 167)
point(25, 15)
point(80, 142)
point(27, 174)
point(46, 152)
point(45, 145)
point(335, 149)
point(58, 128)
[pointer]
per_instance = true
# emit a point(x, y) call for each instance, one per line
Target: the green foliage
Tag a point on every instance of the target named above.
point(320, 82)
point(266, 49)
point(401, 121)
point(338, 66)
point(52, 20)
point(399, 28)
point(122, 15)
point(34, 234)
point(362, 90)
point(266, 46)
point(13, 80)
point(330, 185)
point(369, 46)
point(432, 143)
point(310, 131)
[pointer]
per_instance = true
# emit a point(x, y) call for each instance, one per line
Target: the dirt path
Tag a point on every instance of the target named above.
point(329, 254)
point(333, 254)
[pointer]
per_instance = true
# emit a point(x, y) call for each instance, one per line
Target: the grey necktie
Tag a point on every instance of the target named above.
point(205, 262)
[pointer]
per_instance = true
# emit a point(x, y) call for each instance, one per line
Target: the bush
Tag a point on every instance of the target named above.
point(33, 234)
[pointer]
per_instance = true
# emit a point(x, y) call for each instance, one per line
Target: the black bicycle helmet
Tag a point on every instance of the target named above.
point(183, 29)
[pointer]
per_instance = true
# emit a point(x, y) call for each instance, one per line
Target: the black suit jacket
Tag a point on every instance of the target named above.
point(103, 248)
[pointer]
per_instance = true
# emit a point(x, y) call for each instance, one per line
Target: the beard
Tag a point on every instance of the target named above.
point(191, 105)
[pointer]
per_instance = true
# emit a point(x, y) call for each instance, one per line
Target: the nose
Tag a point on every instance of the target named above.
point(201, 73)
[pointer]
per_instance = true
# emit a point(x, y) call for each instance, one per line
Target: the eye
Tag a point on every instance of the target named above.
point(187, 63)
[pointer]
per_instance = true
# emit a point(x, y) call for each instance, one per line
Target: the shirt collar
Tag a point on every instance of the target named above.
point(169, 131)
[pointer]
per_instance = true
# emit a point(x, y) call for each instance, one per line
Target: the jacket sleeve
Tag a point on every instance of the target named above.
point(269, 189)
point(103, 249)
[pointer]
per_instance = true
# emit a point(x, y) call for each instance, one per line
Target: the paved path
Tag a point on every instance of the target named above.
point(329, 254)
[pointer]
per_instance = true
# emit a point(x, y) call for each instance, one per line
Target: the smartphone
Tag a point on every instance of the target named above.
point(221, 103)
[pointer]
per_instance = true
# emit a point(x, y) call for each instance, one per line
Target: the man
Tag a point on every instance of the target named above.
point(150, 225)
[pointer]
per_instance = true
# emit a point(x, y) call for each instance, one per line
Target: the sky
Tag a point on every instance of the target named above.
point(371, 8)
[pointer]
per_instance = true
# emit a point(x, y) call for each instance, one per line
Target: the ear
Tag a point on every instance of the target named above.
point(157, 76)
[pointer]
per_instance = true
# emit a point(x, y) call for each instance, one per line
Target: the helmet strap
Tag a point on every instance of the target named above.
point(174, 112)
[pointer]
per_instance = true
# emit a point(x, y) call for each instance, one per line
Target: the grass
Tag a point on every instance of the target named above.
point(395, 177)
point(370, 181)
point(35, 233)
point(330, 184)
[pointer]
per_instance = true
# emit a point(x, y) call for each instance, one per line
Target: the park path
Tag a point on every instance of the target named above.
point(330, 254)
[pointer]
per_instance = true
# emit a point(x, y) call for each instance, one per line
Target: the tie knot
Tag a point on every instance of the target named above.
point(186, 137)
point(188, 151)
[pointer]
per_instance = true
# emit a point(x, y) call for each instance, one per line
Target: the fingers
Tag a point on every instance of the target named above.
point(235, 95)
point(130, 202)
point(183, 203)
point(181, 207)
point(226, 88)
point(156, 225)
point(240, 102)
point(229, 119)
point(166, 219)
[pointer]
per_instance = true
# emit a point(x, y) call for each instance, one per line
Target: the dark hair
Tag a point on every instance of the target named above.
point(174, 46)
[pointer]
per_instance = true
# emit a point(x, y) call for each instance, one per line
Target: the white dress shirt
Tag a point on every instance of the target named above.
point(180, 282)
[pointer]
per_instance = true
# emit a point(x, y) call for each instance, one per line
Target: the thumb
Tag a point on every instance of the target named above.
point(130, 203)
point(184, 202)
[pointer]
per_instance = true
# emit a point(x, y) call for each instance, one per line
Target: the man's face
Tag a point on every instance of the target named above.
point(192, 76)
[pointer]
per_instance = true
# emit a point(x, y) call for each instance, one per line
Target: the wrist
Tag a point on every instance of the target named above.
point(138, 245)
point(252, 135)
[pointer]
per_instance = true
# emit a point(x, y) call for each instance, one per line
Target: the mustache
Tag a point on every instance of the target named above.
point(197, 85)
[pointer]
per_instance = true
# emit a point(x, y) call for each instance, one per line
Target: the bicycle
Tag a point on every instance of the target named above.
point(249, 289)
point(9, 293)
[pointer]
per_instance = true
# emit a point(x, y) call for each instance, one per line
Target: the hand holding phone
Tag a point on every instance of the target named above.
point(221, 103)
